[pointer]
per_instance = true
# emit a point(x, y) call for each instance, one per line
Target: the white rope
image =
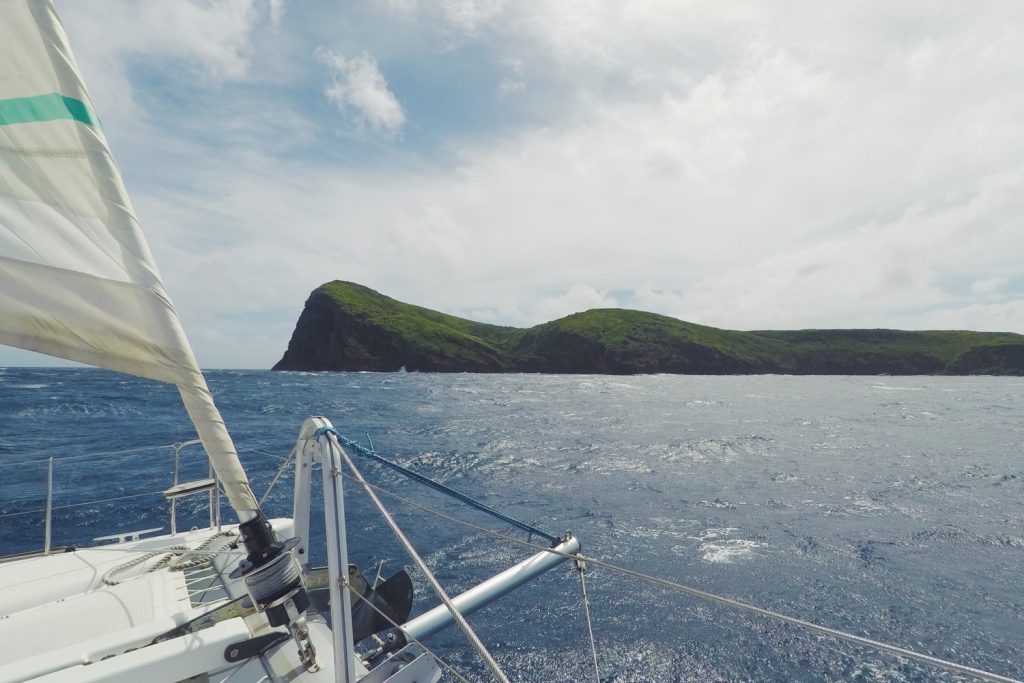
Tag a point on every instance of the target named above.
point(460, 620)
point(115, 549)
point(581, 568)
point(108, 576)
point(936, 662)
point(176, 558)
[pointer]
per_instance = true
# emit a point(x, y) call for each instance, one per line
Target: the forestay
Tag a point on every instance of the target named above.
point(77, 277)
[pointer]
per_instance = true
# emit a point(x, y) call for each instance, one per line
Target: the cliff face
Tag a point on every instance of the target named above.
point(333, 336)
point(1002, 359)
point(345, 326)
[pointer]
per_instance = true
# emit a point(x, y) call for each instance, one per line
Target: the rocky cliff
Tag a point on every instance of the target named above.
point(345, 326)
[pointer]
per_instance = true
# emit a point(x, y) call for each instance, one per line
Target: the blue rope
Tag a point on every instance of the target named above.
point(437, 486)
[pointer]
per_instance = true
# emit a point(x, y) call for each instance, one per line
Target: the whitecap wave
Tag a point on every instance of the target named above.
point(730, 550)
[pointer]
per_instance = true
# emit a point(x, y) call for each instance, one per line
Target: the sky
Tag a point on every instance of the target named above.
point(746, 165)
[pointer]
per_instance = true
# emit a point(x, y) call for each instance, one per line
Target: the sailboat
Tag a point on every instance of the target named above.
point(79, 283)
point(235, 601)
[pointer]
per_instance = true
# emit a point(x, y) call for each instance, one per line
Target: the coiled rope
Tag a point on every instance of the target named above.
point(177, 558)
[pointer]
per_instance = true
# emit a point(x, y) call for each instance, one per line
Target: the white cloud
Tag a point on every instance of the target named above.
point(277, 10)
point(746, 165)
point(203, 42)
point(1001, 317)
point(515, 64)
point(465, 17)
point(466, 246)
point(989, 286)
point(578, 298)
point(470, 15)
point(430, 238)
point(358, 86)
point(212, 39)
point(899, 273)
point(507, 87)
point(470, 242)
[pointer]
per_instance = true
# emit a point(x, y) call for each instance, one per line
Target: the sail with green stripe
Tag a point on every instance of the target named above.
point(76, 276)
point(46, 107)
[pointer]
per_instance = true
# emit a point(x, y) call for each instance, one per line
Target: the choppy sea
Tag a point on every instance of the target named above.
point(889, 507)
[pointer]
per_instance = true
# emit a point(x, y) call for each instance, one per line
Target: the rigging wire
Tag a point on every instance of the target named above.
point(460, 620)
point(665, 583)
point(257, 451)
point(107, 500)
point(438, 486)
point(581, 568)
point(76, 505)
point(126, 451)
point(280, 471)
point(897, 651)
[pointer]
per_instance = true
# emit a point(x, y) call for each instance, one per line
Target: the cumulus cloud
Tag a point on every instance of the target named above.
point(989, 286)
point(470, 15)
point(1001, 317)
point(901, 273)
point(210, 43)
point(359, 88)
point(507, 87)
point(277, 10)
point(464, 17)
point(747, 165)
point(577, 298)
point(213, 39)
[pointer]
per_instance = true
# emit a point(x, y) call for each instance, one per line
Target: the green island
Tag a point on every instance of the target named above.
point(348, 327)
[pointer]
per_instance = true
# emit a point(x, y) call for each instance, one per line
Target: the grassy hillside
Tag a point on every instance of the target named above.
point(408, 320)
point(346, 326)
point(387, 329)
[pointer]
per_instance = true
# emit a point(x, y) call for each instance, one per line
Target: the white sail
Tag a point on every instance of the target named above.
point(77, 277)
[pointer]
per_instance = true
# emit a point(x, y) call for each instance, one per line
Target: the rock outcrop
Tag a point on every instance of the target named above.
point(348, 327)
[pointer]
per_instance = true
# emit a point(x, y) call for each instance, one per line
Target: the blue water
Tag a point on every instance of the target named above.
point(890, 507)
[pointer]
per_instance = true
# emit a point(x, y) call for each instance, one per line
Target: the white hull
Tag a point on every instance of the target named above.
point(180, 607)
point(62, 622)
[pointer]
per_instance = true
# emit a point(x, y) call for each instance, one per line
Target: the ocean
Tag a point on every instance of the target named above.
point(890, 507)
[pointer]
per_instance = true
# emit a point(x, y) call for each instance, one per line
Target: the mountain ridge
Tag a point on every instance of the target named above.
point(345, 326)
